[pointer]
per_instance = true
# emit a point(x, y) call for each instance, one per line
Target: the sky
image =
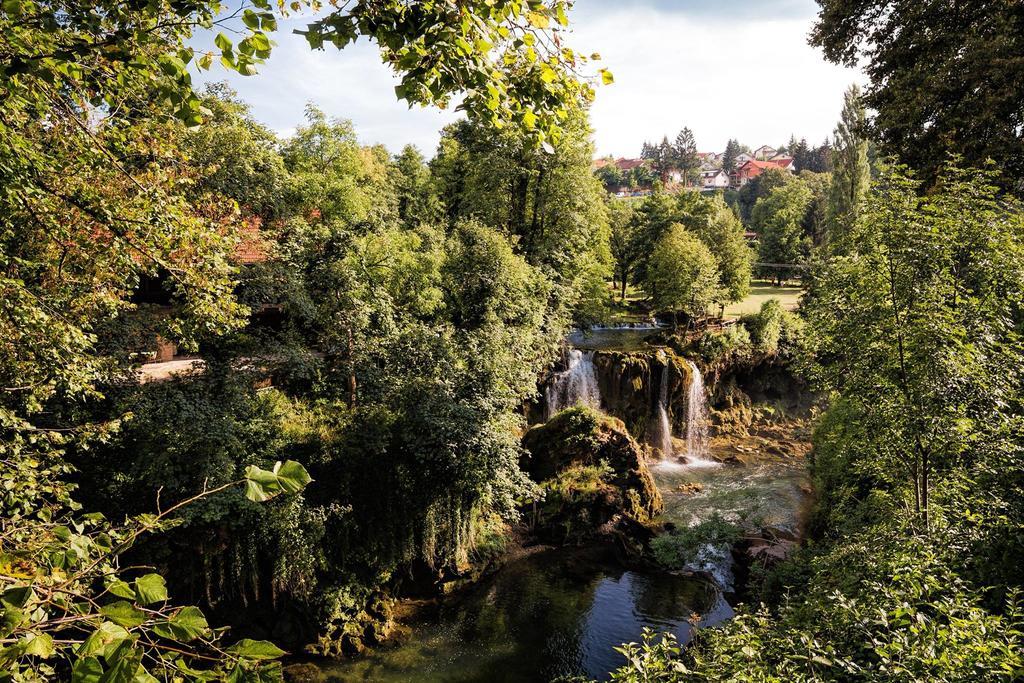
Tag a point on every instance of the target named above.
point(724, 68)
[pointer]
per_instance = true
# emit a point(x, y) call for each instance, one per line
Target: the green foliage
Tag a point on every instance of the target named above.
point(548, 204)
point(852, 174)
point(682, 273)
point(917, 329)
point(653, 660)
point(710, 219)
point(961, 103)
point(774, 329)
point(778, 219)
point(67, 607)
point(731, 342)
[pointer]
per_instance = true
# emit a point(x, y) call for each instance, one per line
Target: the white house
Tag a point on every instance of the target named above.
point(714, 179)
point(743, 158)
point(765, 152)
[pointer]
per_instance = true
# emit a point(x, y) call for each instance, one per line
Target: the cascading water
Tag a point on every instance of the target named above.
point(576, 385)
point(697, 420)
point(661, 428)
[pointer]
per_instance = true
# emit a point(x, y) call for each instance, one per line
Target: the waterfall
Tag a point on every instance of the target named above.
point(576, 385)
point(697, 420)
point(661, 428)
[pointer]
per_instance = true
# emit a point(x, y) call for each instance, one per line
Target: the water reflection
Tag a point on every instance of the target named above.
point(556, 613)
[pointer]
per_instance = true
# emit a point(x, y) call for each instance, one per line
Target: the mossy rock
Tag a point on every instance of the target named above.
point(592, 471)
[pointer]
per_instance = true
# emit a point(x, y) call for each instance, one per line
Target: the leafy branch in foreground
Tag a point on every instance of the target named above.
point(68, 608)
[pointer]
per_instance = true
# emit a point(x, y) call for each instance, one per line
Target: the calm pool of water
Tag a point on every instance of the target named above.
point(554, 613)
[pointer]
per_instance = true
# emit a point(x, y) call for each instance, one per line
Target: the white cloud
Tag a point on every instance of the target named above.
point(745, 76)
point(758, 80)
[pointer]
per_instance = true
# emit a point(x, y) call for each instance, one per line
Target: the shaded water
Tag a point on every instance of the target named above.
point(554, 613)
point(628, 338)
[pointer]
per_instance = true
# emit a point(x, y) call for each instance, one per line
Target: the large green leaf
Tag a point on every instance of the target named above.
point(287, 477)
point(39, 645)
point(187, 624)
point(151, 588)
point(256, 649)
point(86, 670)
point(123, 613)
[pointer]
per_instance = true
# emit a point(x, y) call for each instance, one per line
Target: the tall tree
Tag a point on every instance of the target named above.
point(622, 242)
point(851, 173)
point(662, 157)
point(685, 156)
point(943, 77)
point(917, 333)
point(732, 150)
point(549, 203)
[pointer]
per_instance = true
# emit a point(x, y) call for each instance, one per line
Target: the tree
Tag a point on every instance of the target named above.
point(685, 156)
point(549, 203)
point(722, 232)
point(662, 157)
point(967, 100)
point(851, 175)
point(611, 176)
point(759, 187)
point(417, 199)
point(732, 150)
point(623, 242)
point(802, 155)
point(911, 333)
point(682, 273)
point(778, 220)
point(815, 223)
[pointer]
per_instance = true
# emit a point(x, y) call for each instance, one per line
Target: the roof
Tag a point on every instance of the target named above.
point(622, 163)
point(251, 247)
point(755, 167)
point(629, 164)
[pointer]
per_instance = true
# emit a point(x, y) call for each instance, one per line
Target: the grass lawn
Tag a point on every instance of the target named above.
point(761, 291)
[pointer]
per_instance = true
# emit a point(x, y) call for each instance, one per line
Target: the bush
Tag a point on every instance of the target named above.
point(732, 341)
point(773, 329)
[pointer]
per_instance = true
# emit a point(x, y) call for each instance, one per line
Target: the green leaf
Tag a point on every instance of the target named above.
point(293, 476)
point(17, 596)
point(86, 670)
point(187, 624)
point(151, 588)
point(262, 485)
point(250, 19)
point(606, 77)
point(39, 645)
point(121, 589)
point(222, 41)
point(123, 613)
point(107, 634)
point(256, 649)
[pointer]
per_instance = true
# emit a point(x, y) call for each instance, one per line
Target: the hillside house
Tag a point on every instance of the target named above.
point(765, 152)
point(714, 179)
point(749, 170)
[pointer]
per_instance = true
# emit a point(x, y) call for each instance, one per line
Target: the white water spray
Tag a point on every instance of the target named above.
point(697, 421)
point(576, 385)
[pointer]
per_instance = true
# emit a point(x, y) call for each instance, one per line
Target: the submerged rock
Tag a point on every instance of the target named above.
point(593, 477)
